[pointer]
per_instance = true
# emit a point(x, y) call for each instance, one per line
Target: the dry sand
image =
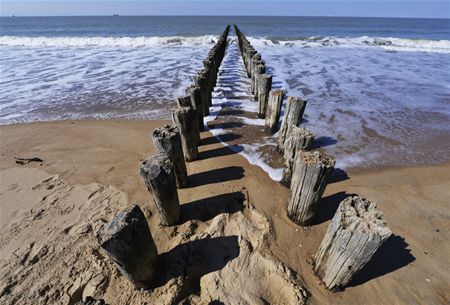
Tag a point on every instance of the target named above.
point(234, 244)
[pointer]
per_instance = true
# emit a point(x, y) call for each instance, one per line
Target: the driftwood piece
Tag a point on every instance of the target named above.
point(263, 89)
point(355, 233)
point(128, 242)
point(197, 103)
point(309, 178)
point(91, 301)
point(167, 140)
point(299, 139)
point(186, 120)
point(157, 173)
point(273, 110)
point(24, 161)
point(292, 116)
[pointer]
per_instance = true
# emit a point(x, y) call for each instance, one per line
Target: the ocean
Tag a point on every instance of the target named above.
point(378, 89)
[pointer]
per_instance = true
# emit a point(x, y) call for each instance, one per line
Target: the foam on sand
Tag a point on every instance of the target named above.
point(367, 107)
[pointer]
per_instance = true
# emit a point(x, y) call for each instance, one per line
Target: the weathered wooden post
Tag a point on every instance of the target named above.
point(259, 70)
point(353, 236)
point(186, 121)
point(274, 104)
point(184, 101)
point(292, 116)
point(128, 242)
point(309, 178)
point(157, 172)
point(299, 139)
point(197, 104)
point(167, 140)
point(208, 84)
point(256, 60)
point(202, 82)
point(264, 87)
point(248, 59)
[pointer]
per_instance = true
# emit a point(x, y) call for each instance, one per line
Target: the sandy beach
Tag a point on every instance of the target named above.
point(234, 243)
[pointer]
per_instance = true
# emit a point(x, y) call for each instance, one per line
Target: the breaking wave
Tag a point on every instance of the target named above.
point(98, 41)
point(389, 43)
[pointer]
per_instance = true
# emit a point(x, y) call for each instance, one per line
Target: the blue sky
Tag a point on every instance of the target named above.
point(359, 8)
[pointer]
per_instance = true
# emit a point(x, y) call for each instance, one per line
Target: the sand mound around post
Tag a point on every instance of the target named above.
point(49, 254)
point(254, 277)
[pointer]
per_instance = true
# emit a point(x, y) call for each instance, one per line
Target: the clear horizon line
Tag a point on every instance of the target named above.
point(175, 15)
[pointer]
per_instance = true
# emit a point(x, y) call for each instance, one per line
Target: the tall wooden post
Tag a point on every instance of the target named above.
point(309, 179)
point(186, 121)
point(197, 104)
point(299, 139)
point(157, 173)
point(273, 110)
point(292, 116)
point(259, 70)
point(128, 242)
point(202, 82)
point(353, 236)
point(264, 87)
point(256, 60)
point(167, 140)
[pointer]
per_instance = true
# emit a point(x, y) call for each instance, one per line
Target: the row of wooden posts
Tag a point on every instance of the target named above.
point(269, 100)
point(127, 239)
point(357, 229)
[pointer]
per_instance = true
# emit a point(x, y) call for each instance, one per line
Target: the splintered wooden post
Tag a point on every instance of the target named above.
point(197, 104)
point(309, 178)
point(273, 110)
point(186, 121)
point(167, 140)
point(353, 236)
point(128, 242)
point(299, 139)
point(184, 101)
point(292, 116)
point(264, 87)
point(157, 173)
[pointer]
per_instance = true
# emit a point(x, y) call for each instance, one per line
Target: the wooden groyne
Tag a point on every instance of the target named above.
point(306, 174)
point(127, 239)
point(356, 231)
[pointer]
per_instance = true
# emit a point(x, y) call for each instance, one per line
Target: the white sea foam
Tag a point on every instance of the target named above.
point(63, 81)
point(388, 43)
point(366, 106)
point(123, 42)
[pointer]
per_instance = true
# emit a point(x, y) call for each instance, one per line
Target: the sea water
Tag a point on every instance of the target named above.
point(378, 89)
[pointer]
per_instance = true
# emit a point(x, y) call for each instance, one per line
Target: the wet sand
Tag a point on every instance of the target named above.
point(228, 201)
